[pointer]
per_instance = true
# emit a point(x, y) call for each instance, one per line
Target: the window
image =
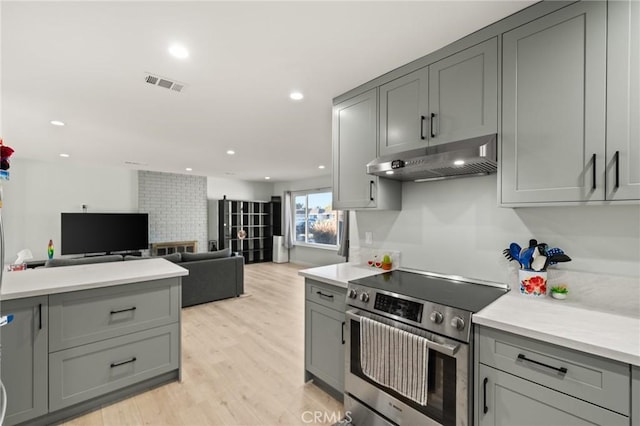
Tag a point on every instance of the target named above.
point(316, 223)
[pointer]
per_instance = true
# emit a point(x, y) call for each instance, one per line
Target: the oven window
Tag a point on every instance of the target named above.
point(441, 395)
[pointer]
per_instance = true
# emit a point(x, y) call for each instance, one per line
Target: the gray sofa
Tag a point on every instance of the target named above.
point(212, 275)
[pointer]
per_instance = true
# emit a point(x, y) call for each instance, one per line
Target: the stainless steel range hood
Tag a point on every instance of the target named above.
point(476, 156)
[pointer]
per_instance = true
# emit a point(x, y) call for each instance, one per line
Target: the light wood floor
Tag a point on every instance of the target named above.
point(242, 361)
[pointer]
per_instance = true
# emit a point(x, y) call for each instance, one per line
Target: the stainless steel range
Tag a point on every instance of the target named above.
point(410, 349)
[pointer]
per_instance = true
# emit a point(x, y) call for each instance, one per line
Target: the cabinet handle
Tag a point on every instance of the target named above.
point(343, 324)
point(39, 316)
point(123, 310)
point(484, 395)
point(593, 160)
point(328, 296)
point(433, 118)
point(562, 370)
point(617, 156)
point(118, 364)
point(371, 190)
point(422, 118)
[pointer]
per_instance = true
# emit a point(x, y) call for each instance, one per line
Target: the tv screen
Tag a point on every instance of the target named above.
point(104, 232)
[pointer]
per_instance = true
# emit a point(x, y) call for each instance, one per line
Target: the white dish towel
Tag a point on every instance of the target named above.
point(395, 359)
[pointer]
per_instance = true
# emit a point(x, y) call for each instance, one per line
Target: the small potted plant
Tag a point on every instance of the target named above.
point(559, 291)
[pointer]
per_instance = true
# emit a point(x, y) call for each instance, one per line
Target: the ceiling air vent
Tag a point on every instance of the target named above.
point(164, 82)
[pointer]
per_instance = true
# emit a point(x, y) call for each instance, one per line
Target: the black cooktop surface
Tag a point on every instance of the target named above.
point(458, 294)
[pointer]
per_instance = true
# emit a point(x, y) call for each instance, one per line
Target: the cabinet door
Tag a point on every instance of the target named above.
point(403, 112)
point(635, 395)
point(505, 399)
point(24, 359)
point(354, 145)
point(623, 101)
point(463, 94)
point(324, 344)
point(553, 110)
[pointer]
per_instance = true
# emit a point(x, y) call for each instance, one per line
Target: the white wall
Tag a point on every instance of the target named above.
point(308, 256)
point(455, 227)
point(39, 191)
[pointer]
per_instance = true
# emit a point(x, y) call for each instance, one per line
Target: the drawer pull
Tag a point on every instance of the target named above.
point(321, 294)
point(343, 324)
point(485, 409)
point(123, 310)
point(118, 364)
point(562, 370)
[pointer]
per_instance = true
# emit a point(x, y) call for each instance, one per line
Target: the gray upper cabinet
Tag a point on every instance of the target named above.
point(623, 101)
point(25, 359)
point(553, 110)
point(463, 94)
point(403, 112)
point(354, 145)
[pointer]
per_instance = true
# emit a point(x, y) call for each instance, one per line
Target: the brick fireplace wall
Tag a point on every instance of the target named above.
point(177, 206)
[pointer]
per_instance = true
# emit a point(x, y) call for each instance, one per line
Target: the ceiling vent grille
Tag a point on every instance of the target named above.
point(164, 82)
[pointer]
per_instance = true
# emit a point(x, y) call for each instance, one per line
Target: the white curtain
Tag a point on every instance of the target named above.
point(288, 221)
point(343, 250)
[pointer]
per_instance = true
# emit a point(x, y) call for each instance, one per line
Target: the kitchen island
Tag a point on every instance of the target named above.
point(87, 335)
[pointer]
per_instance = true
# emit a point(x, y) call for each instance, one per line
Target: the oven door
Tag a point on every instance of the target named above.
point(448, 392)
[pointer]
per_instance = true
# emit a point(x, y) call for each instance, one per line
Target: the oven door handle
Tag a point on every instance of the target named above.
point(438, 347)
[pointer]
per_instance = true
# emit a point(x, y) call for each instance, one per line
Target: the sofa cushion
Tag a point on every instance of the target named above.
point(173, 257)
point(188, 257)
point(82, 260)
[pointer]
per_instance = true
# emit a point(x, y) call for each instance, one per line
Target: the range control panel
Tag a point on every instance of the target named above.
point(444, 320)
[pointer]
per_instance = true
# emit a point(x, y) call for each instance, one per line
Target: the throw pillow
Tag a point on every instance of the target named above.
point(188, 257)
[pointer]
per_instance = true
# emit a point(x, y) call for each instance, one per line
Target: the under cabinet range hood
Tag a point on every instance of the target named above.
point(469, 157)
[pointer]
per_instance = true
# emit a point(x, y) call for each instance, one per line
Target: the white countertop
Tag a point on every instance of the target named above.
point(339, 274)
point(62, 279)
point(585, 329)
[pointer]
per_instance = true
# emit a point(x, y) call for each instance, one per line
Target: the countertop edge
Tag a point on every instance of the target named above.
point(323, 279)
point(589, 348)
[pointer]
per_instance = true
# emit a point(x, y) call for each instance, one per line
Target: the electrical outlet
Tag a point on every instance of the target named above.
point(368, 237)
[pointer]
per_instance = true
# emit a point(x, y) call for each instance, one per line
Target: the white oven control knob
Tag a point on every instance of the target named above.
point(457, 323)
point(352, 293)
point(364, 297)
point(436, 317)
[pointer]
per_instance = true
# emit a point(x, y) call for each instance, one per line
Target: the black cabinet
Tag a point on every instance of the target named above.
point(255, 218)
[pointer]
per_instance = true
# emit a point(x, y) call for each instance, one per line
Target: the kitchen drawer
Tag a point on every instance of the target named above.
point(326, 294)
point(89, 316)
point(597, 380)
point(85, 372)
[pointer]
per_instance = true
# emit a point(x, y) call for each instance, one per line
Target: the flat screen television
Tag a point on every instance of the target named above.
point(104, 232)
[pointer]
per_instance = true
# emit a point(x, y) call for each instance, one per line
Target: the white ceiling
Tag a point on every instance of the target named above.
point(84, 63)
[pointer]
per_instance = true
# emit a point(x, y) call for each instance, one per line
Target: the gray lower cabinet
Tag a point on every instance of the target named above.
point(623, 100)
point(324, 334)
point(506, 399)
point(635, 395)
point(554, 107)
point(24, 359)
point(88, 371)
point(522, 381)
point(463, 94)
point(355, 140)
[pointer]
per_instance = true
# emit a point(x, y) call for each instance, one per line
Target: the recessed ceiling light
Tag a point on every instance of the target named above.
point(57, 122)
point(321, 166)
point(64, 155)
point(188, 169)
point(296, 96)
point(389, 172)
point(458, 162)
point(178, 51)
point(229, 173)
point(267, 177)
point(231, 152)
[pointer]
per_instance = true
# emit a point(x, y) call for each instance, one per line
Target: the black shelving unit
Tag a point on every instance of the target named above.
point(255, 218)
